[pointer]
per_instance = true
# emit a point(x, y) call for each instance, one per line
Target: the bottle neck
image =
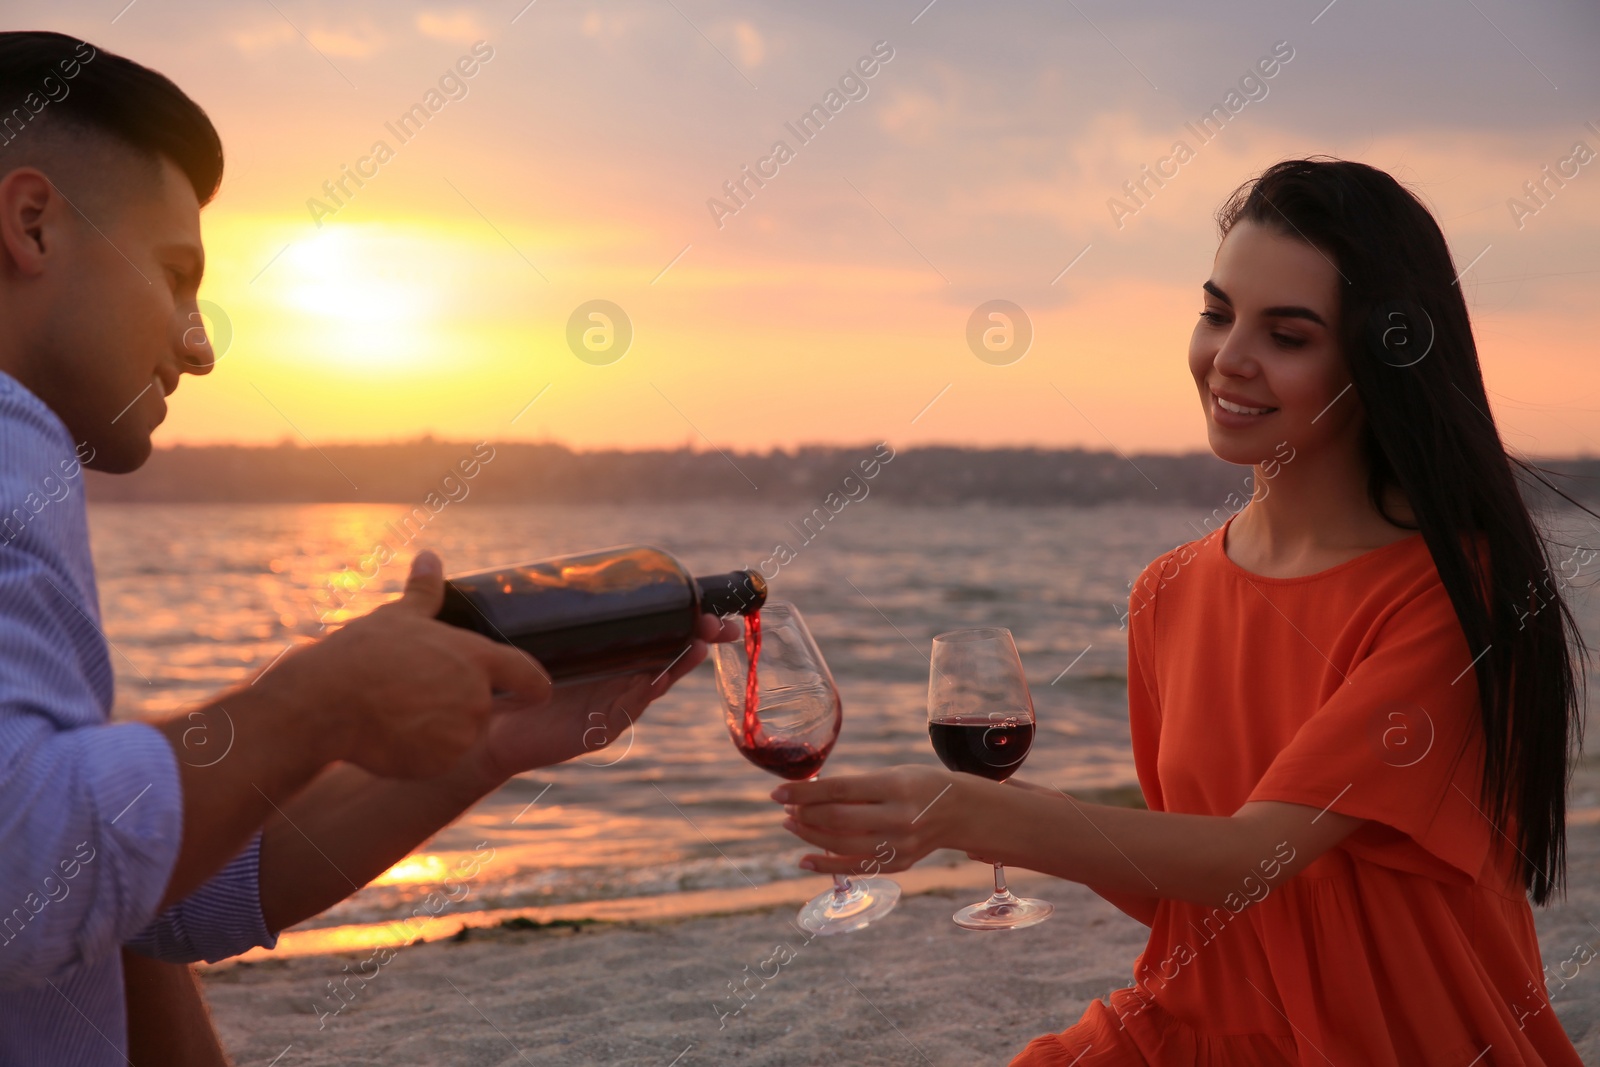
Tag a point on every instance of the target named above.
point(734, 593)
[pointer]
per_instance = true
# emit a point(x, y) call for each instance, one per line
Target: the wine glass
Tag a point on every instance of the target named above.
point(783, 711)
point(980, 720)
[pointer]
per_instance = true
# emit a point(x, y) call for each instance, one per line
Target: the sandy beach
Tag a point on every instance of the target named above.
point(656, 989)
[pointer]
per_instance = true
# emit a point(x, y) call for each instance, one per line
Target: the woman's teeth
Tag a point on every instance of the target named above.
point(1240, 409)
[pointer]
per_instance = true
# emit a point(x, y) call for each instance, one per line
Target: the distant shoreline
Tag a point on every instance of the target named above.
point(521, 473)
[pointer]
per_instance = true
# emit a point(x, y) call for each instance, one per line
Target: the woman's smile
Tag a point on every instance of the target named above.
point(1233, 413)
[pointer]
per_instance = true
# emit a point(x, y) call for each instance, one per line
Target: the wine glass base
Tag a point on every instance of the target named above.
point(1005, 912)
point(833, 912)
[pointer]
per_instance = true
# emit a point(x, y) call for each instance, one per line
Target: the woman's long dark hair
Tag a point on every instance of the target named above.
point(1404, 329)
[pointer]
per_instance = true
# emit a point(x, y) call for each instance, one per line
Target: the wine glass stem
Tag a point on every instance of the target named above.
point(1000, 880)
point(841, 883)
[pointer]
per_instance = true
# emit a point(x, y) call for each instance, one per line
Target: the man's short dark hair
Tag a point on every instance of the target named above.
point(67, 83)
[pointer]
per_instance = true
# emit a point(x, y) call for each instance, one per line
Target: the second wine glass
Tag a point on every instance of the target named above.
point(980, 720)
point(784, 713)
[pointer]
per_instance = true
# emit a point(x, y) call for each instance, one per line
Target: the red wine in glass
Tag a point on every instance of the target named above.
point(979, 746)
point(784, 714)
point(794, 760)
point(980, 720)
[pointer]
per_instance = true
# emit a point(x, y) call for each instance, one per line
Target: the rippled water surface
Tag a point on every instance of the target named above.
point(198, 597)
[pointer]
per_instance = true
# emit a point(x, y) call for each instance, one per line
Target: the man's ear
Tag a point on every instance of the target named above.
point(28, 201)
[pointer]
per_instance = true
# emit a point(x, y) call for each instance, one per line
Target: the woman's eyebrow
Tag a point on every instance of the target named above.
point(1286, 311)
point(1295, 312)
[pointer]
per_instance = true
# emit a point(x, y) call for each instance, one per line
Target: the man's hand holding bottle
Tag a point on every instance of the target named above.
point(403, 695)
point(399, 693)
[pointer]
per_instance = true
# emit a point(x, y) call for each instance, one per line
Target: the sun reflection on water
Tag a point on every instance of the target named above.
point(424, 868)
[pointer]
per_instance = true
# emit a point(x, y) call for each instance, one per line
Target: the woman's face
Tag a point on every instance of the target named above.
point(1265, 355)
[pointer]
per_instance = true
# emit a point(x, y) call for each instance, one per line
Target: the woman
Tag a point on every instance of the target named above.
point(1353, 706)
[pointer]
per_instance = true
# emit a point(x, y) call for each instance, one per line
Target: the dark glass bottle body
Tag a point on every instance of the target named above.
point(595, 614)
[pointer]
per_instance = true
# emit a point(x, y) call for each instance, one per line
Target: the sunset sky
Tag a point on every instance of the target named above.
point(976, 163)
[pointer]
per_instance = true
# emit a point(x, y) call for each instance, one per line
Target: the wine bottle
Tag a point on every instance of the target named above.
point(615, 611)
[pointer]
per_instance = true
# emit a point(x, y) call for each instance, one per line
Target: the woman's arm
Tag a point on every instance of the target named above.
point(1134, 906)
point(1214, 860)
point(1138, 906)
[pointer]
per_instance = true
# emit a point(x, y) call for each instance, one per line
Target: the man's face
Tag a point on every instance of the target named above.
point(117, 321)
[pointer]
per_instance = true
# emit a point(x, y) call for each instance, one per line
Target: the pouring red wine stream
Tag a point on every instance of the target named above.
point(794, 760)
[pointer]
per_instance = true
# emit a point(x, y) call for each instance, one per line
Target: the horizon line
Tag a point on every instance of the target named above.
point(292, 443)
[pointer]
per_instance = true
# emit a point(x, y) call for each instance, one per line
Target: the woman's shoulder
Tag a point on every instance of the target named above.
point(1168, 568)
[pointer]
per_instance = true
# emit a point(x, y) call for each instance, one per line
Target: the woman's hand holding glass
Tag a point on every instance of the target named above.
point(884, 821)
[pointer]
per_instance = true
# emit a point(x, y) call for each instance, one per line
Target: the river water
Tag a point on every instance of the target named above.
point(199, 597)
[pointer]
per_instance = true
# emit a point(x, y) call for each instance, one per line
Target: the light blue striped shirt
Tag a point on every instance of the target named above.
point(91, 812)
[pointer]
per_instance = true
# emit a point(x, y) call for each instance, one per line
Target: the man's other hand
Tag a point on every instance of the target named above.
point(583, 718)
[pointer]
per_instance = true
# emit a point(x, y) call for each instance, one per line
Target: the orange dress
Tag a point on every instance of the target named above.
point(1351, 690)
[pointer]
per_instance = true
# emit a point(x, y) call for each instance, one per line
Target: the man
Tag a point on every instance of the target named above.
point(123, 856)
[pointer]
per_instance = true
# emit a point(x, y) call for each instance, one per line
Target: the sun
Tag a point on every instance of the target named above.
point(365, 295)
